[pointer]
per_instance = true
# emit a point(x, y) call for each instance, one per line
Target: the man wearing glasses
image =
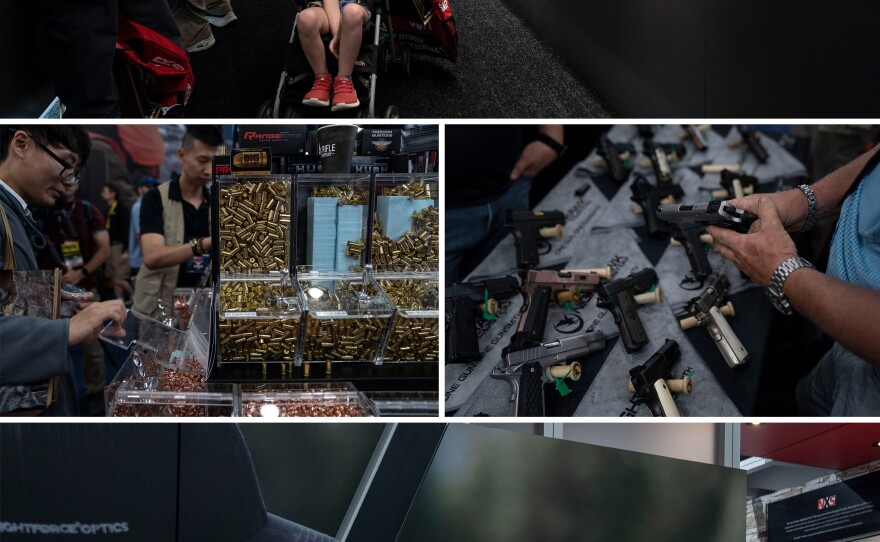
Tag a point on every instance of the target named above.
point(36, 164)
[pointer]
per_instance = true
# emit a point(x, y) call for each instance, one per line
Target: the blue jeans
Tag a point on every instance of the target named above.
point(842, 384)
point(472, 232)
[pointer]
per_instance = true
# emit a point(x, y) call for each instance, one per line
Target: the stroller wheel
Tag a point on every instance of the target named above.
point(266, 109)
point(392, 112)
point(292, 111)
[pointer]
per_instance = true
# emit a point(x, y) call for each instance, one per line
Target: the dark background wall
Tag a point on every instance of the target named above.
point(26, 90)
point(719, 58)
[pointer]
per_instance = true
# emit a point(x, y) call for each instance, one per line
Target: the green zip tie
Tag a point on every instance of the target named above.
point(568, 306)
point(486, 314)
point(561, 386)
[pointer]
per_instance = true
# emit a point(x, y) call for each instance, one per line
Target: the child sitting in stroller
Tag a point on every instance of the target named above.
point(344, 20)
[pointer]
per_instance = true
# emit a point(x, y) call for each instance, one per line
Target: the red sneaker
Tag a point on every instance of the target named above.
point(319, 96)
point(344, 95)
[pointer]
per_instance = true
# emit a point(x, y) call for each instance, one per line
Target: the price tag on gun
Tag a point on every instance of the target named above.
point(526, 369)
point(653, 384)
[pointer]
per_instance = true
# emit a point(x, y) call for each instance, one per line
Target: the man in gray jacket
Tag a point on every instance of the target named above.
point(35, 164)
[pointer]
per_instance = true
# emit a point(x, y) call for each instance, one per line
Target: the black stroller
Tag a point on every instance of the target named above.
point(296, 77)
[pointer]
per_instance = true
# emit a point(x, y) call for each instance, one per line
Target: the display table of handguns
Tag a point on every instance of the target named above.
point(608, 299)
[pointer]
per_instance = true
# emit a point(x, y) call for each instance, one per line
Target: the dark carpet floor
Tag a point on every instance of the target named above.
point(504, 70)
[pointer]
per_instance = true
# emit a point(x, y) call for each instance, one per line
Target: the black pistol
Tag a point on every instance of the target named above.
point(651, 381)
point(467, 302)
point(526, 369)
point(530, 229)
point(611, 153)
point(693, 238)
point(620, 296)
point(648, 197)
point(735, 185)
point(751, 138)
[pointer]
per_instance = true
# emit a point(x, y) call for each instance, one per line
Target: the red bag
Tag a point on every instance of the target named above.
point(161, 67)
point(438, 37)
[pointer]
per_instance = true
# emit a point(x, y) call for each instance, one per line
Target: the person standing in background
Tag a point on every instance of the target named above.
point(117, 223)
point(135, 256)
point(176, 225)
point(80, 44)
point(489, 170)
point(77, 242)
point(195, 17)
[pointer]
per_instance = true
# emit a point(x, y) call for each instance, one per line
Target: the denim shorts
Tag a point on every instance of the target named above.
point(342, 4)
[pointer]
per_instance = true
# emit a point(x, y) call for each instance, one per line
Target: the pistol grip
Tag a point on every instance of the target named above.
point(531, 391)
point(632, 332)
point(662, 405)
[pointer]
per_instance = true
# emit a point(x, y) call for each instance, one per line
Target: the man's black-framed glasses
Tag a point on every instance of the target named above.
point(69, 174)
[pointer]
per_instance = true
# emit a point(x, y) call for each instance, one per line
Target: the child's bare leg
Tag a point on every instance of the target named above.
point(351, 31)
point(312, 24)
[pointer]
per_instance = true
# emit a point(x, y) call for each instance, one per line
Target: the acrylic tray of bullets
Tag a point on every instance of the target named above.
point(260, 318)
point(304, 400)
point(415, 330)
point(347, 320)
point(405, 403)
point(406, 225)
point(168, 345)
point(333, 221)
point(254, 218)
point(143, 387)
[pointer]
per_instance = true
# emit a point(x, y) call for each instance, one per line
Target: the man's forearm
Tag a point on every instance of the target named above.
point(102, 251)
point(556, 131)
point(831, 189)
point(160, 257)
point(97, 259)
point(848, 313)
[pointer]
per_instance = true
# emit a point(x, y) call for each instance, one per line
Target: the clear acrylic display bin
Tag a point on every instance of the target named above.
point(168, 345)
point(255, 224)
point(348, 318)
point(145, 388)
point(405, 403)
point(332, 222)
point(304, 400)
point(415, 331)
point(260, 318)
point(406, 231)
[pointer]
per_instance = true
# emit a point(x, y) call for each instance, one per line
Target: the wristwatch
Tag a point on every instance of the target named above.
point(85, 271)
point(774, 288)
point(553, 144)
point(813, 207)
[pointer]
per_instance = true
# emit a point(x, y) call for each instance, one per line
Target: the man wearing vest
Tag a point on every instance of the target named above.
point(176, 227)
point(842, 301)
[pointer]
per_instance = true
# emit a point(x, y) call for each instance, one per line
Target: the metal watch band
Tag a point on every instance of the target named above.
point(774, 288)
point(814, 207)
